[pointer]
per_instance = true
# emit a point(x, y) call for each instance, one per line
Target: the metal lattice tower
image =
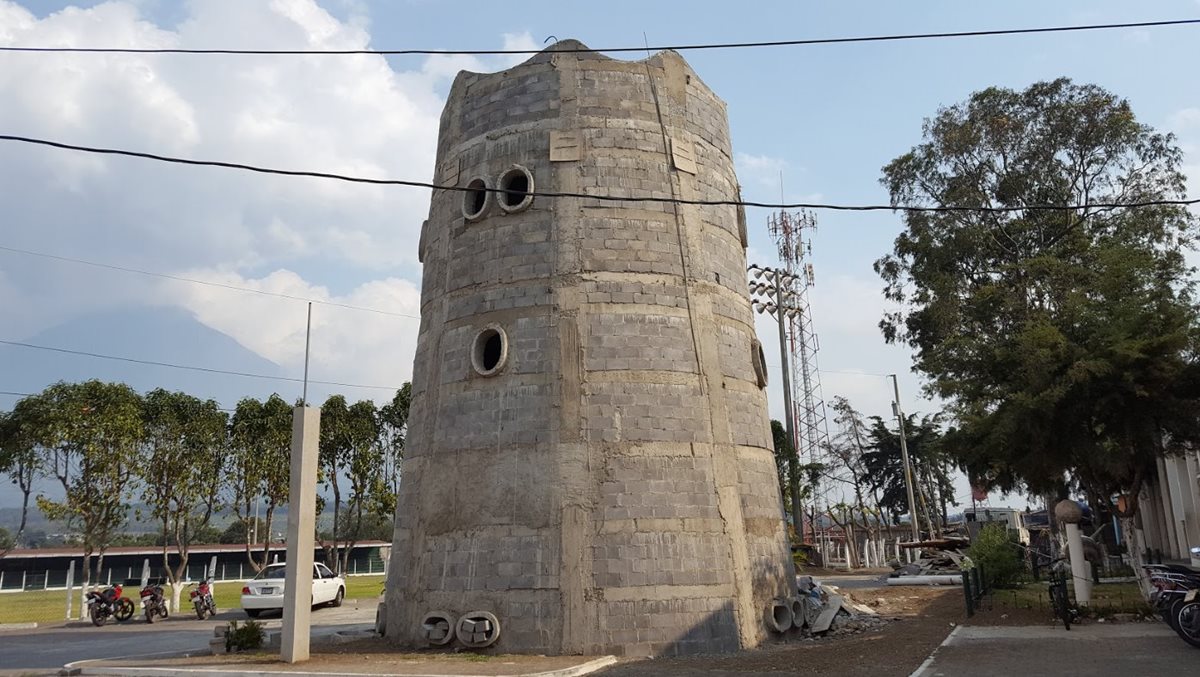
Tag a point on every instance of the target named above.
point(795, 250)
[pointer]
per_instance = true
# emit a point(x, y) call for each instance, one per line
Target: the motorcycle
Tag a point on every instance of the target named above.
point(1176, 597)
point(153, 602)
point(202, 599)
point(108, 602)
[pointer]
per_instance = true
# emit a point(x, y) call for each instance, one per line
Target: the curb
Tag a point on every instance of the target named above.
point(18, 626)
point(79, 668)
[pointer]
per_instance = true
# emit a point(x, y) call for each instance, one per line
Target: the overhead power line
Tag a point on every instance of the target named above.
point(221, 285)
point(677, 48)
point(171, 365)
point(587, 196)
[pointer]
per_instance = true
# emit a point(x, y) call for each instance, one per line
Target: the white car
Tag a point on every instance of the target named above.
point(264, 592)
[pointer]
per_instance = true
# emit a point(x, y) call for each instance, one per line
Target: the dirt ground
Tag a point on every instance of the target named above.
point(922, 619)
point(919, 619)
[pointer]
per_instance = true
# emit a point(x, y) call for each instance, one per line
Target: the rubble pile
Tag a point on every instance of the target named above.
point(832, 613)
point(937, 561)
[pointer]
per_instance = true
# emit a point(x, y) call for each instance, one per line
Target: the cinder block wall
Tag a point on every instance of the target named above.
point(611, 488)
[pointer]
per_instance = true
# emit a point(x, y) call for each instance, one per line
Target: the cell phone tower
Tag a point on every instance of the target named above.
point(792, 235)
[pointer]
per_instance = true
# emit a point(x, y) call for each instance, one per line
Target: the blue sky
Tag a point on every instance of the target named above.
point(827, 117)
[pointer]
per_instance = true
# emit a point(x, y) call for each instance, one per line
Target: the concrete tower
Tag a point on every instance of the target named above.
point(589, 454)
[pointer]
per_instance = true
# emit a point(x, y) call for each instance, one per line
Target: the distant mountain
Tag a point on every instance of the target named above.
point(156, 334)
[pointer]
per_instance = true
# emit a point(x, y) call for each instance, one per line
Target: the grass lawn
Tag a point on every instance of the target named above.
point(1106, 597)
point(49, 606)
point(40, 606)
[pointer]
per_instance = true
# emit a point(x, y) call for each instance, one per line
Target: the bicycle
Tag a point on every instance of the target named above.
point(1059, 599)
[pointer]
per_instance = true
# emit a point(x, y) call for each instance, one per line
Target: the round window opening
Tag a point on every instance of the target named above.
point(475, 199)
point(516, 184)
point(490, 351)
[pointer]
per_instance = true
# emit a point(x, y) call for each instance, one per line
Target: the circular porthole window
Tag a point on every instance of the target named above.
point(490, 351)
point(475, 199)
point(759, 360)
point(515, 186)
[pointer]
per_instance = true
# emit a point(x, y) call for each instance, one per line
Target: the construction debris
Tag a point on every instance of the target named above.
point(831, 612)
point(939, 562)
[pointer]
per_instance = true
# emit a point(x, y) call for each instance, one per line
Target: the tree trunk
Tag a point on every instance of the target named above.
point(26, 490)
point(266, 551)
point(1133, 543)
point(86, 574)
point(176, 594)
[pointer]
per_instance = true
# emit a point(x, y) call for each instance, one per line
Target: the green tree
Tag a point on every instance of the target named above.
point(393, 431)
point(239, 531)
point(883, 463)
point(90, 434)
point(783, 452)
point(353, 451)
point(19, 460)
point(7, 541)
point(258, 466)
point(808, 474)
point(996, 552)
point(1061, 337)
point(185, 444)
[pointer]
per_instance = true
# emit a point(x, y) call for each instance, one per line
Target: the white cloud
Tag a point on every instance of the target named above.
point(760, 171)
point(347, 344)
point(341, 114)
point(1184, 120)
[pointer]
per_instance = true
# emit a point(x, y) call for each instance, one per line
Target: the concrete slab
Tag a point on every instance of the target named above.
point(1118, 649)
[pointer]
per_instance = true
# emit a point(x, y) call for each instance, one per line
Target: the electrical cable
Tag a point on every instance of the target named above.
point(190, 367)
point(677, 48)
point(221, 285)
point(602, 198)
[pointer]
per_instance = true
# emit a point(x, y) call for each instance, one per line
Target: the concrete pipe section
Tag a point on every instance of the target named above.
point(942, 579)
point(779, 615)
point(478, 629)
point(438, 628)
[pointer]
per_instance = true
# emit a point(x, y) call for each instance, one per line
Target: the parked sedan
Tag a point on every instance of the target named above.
point(264, 592)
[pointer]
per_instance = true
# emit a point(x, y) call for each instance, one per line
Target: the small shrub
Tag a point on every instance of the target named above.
point(247, 637)
point(997, 554)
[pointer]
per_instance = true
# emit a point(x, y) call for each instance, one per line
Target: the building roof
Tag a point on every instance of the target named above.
point(198, 549)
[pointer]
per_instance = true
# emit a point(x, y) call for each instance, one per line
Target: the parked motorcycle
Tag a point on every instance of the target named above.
point(1176, 597)
point(108, 603)
point(202, 599)
point(154, 603)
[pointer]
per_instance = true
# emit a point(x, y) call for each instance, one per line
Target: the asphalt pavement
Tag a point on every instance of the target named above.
point(43, 651)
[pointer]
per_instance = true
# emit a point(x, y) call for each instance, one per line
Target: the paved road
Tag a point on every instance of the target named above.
point(44, 650)
point(1124, 649)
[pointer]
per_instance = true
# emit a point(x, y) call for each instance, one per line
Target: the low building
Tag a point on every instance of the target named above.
point(1169, 509)
point(46, 568)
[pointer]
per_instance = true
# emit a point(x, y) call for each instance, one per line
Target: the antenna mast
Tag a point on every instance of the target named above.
point(792, 235)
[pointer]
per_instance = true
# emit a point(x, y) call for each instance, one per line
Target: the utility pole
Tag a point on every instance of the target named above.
point(794, 457)
point(774, 286)
point(908, 475)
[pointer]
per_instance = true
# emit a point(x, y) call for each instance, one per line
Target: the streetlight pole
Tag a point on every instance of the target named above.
point(779, 310)
point(908, 477)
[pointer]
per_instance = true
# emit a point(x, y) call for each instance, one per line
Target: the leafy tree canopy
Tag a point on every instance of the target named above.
point(1063, 338)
